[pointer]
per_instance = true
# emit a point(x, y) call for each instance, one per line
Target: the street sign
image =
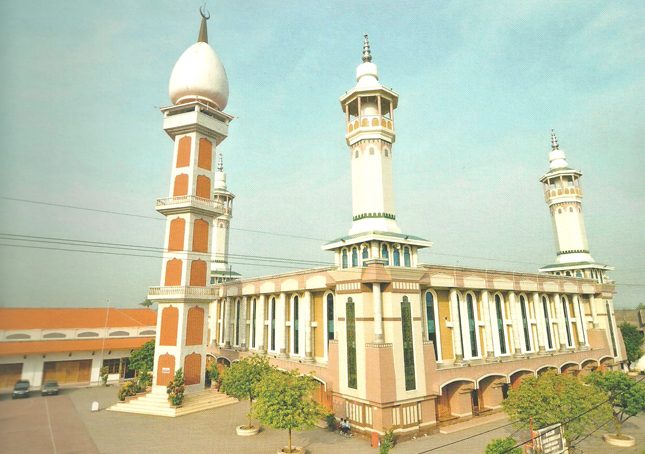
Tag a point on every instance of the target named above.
point(548, 440)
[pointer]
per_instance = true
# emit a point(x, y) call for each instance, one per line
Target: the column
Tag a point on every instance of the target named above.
point(280, 328)
point(378, 313)
point(243, 318)
point(541, 326)
point(488, 330)
point(308, 310)
point(456, 327)
point(594, 314)
point(227, 323)
point(260, 341)
point(580, 323)
point(562, 334)
point(517, 325)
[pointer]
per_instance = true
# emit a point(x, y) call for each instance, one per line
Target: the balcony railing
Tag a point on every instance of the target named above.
point(171, 203)
point(181, 292)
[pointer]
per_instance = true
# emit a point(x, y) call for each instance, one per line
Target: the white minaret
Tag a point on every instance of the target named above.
point(563, 194)
point(220, 270)
point(369, 114)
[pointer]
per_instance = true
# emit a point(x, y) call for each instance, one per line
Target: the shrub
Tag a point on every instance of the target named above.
point(127, 389)
point(176, 389)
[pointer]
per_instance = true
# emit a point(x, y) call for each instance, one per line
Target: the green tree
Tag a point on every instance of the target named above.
point(143, 357)
point(557, 399)
point(176, 388)
point(146, 303)
point(284, 402)
point(633, 341)
point(640, 306)
point(242, 378)
point(626, 396)
point(503, 445)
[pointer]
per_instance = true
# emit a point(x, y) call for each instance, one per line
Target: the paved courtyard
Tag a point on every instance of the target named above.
point(65, 424)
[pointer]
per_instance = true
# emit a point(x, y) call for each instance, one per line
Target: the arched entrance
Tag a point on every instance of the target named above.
point(490, 394)
point(455, 400)
point(517, 377)
point(322, 395)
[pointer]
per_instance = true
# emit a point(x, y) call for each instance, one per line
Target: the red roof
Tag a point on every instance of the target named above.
point(71, 318)
point(69, 346)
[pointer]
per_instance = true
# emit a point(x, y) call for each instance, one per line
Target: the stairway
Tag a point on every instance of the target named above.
point(158, 405)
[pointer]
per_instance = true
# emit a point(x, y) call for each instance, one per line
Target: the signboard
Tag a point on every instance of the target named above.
point(548, 441)
point(165, 370)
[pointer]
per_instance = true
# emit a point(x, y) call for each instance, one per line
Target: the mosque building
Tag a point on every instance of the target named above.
point(391, 342)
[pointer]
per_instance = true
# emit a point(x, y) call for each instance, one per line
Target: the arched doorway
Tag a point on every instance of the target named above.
point(322, 395)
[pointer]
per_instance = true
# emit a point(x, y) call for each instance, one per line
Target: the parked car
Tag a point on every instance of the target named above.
point(50, 388)
point(21, 389)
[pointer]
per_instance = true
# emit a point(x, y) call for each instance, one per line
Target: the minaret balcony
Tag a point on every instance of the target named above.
point(183, 293)
point(370, 122)
point(562, 192)
point(192, 204)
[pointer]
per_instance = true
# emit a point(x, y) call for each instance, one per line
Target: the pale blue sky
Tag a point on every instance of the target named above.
point(480, 84)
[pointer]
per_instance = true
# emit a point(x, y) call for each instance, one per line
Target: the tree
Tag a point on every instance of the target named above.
point(143, 357)
point(503, 445)
point(146, 303)
point(242, 378)
point(633, 341)
point(640, 306)
point(626, 396)
point(284, 402)
point(176, 388)
point(557, 399)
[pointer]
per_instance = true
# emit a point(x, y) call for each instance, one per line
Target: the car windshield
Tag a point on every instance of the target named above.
point(51, 384)
point(22, 385)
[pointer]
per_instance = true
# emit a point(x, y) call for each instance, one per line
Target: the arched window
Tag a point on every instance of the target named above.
point(472, 328)
point(501, 331)
point(395, 257)
point(296, 323)
point(384, 254)
point(356, 154)
point(237, 322)
point(366, 253)
point(406, 256)
point(330, 317)
point(354, 256)
point(253, 315)
point(408, 347)
point(344, 263)
point(610, 321)
point(547, 321)
point(430, 322)
point(352, 376)
point(567, 324)
point(578, 273)
point(525, 324)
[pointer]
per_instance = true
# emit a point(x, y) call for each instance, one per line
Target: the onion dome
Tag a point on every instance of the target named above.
point(199, 74)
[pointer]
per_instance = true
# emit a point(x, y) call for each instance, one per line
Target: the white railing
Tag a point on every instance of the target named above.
point(192, 200)
point(184, 291)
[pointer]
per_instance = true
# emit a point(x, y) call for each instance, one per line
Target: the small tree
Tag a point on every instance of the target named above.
point(284, 402)
point(176, 388)
point(103, 372)
point(633, 341)
point(145, 378)
point(146, 303)
point(503, 446)
point(242, 378)
point(626, 396)
point(553, 399)
point(143, 357)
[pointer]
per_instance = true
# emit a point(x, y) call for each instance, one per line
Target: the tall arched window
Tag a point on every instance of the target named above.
point(547, 321)
point(352, 375)
point(567, 324)
point(254, 314)
point(430, 322)
point(354, 256)
point(501, 331)
point(406, 256)
point(610, 322)
point(395, 257)
point(330, 317)
point(366, 253)
point(296, 323)
point(408, 347)
point(472, 328)
point(273, 323)
point(525, 324)
point(237, 322)
point(384, 254)
point(344, 264)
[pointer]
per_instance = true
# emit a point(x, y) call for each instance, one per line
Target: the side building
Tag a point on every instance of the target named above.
point(70, 345)
point(397, 343)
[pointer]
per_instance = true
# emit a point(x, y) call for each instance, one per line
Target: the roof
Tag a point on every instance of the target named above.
point(72, 318)
point(580, 265)
point(70, 346)
point(377, 235)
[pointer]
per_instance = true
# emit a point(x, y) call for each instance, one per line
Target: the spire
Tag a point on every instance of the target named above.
point(367, 55)
point(554, 141)
point(203, 32)
point(220, 163)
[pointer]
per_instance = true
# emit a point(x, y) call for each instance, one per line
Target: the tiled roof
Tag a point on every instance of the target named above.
point(70, 346)
point(72, 318)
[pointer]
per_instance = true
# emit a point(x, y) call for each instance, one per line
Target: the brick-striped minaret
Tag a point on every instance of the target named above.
point(199, 91)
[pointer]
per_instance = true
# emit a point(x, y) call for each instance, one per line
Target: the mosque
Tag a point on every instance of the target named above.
point(391, 342)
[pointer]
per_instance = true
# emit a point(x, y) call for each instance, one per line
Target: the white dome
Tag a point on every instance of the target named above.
point(199, 73)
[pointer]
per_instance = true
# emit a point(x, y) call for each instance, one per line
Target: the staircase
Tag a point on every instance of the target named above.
point(158, 405)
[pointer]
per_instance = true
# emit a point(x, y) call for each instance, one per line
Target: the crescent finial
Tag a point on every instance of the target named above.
point(204, 14)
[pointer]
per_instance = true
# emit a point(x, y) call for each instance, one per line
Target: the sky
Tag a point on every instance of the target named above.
point(481, 84)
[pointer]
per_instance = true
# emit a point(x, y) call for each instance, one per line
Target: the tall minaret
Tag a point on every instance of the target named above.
point(220, 271)
point(369, 133)
point(195, 122)
point(563, 194)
